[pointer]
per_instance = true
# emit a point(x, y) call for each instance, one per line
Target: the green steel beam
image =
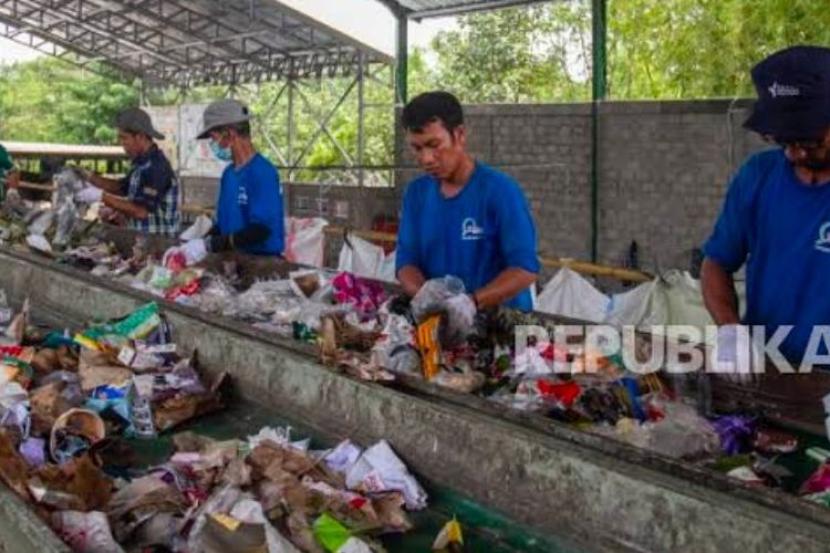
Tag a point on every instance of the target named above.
point(599, 68)
point(402, 60)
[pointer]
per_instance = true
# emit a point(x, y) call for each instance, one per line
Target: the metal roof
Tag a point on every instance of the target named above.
point(422, 9)
point(186, 42)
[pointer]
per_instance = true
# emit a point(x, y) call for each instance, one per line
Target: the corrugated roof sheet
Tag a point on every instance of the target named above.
point(186, 42)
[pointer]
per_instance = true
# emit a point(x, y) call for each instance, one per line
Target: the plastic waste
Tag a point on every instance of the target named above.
point(199, 229)
point(447, 296)
point(378, 469)
point(85, 532)
point(305, 240)
point(449, 536)
point(570, 295)
point(366, 259)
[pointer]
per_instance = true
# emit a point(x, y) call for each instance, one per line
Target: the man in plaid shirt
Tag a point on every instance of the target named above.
point(149, 194)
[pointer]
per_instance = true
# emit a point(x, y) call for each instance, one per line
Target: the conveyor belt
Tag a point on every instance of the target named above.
point(601, 493)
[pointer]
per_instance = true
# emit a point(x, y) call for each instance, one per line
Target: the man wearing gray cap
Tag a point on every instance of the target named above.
point(249, 209)
point(149, 194)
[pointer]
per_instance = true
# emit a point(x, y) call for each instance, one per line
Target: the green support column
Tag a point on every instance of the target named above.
point(599, 12)
point(402, 66)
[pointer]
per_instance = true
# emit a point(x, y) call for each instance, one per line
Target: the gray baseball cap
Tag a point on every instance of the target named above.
point(137, 120)
point(222, 113)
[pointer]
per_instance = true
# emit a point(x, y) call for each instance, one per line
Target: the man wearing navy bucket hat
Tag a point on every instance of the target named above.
point(776, 220)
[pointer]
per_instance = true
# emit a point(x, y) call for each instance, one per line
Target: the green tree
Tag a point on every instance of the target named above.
point(677, 49)
point(47, 100)
point(525, 54)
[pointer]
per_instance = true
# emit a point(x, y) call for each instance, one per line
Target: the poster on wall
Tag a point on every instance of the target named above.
point(180, 125)
point(195, 155)
point(166, 121)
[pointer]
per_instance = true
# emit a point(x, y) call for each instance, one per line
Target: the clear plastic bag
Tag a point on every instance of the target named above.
point(446, 295)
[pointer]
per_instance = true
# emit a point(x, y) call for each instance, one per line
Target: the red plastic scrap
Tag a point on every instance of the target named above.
point(564, 392)
point(552, 353)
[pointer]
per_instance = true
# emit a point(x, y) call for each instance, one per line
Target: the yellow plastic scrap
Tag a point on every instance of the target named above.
point(229, 523)
point(426, 337)
point(450, 538)
point(87, 342)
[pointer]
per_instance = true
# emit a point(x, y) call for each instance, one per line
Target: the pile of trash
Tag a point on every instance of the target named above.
point(73, 405)
point(361, 329)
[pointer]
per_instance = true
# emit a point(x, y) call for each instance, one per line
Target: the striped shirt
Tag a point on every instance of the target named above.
point(152, 184)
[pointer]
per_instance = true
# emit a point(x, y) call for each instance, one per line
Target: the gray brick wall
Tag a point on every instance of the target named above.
point(664, 168)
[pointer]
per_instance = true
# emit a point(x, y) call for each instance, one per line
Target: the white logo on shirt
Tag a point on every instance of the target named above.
point(242, 196)
point(470, 230)
point(823, 241)
point(777, 90)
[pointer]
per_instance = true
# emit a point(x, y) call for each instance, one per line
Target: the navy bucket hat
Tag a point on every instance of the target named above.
point(793, 87)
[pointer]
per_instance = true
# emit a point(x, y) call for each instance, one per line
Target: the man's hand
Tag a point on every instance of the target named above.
point(735, 354)
point(89, 195)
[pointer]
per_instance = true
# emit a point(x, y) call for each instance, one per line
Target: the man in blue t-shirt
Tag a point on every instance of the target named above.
point(249, 210)
point(463, 218)
point(776, 217)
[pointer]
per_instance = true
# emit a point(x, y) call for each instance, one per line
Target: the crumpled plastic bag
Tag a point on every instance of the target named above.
point(280, 436)
point(39, 222)
point(199, 229)
point(85, 532)
point(39, 243)
point(216, 296)
point(343, 456)
point(681, 434)
point(67, 182)
point(378, 470)
point(396, 349)
point(446, 295)
point(262, 299)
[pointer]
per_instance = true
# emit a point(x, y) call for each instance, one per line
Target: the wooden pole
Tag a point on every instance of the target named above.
point(582, 267)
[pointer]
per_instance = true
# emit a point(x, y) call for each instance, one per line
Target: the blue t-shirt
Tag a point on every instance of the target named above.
point(252, 194)
point(781, 228)
point(475, 235)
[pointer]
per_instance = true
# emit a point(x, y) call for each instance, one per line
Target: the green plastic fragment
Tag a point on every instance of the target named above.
point(330, 533)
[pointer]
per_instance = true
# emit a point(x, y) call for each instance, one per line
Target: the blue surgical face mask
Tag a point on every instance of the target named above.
point(220, 153)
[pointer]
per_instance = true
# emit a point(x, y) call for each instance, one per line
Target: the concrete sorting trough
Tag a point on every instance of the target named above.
point(602, 494)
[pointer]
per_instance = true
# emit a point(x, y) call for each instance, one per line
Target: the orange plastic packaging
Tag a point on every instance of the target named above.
point(426, 337)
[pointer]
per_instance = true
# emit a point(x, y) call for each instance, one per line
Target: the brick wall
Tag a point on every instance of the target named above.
point(664, 168)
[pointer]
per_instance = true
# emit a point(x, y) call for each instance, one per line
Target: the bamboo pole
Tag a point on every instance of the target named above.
point(582, 267)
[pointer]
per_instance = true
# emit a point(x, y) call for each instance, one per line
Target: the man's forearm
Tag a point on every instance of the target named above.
point(125, 206)
point(719, 296)
point(505, 286)
point(411, 279)
point(107, 185)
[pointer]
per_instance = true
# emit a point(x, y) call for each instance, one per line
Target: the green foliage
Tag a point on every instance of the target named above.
point(526, 54)
point(677, 49)
point(47, 100)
